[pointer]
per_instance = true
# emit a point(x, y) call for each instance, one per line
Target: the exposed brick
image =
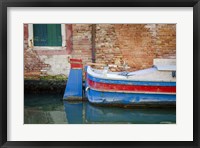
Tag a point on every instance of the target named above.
point(135, 44)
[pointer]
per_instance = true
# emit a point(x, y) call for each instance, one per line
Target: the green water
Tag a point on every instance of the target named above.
point(51, 109)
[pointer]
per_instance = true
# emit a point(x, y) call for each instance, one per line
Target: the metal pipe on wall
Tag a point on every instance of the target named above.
point(93, 43)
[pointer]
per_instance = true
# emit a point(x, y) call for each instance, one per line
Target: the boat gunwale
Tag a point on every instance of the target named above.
point(111, 81)
point(96, 75)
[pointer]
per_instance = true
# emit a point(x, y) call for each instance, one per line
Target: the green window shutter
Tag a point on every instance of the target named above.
point(47, 35)
point(40, 35)
point(54, 35)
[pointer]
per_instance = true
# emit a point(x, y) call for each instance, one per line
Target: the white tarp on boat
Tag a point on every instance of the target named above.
point(163, 70)
point(166, 67)
point(165, 64)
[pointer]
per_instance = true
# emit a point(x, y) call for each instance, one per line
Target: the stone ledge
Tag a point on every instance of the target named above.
point(44, 86)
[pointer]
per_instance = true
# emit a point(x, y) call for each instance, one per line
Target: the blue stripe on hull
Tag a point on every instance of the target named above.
point(128, 82)
point(99, 97)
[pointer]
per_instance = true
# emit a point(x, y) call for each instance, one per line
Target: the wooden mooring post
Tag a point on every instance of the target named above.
point(74, 86)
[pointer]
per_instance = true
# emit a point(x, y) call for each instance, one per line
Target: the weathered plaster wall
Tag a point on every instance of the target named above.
point(32, 62)
point(59, 64)
point(135, 44)
point(43, 61)
point(45, 64)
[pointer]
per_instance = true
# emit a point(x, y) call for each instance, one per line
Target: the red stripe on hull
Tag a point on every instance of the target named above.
point(136, 88)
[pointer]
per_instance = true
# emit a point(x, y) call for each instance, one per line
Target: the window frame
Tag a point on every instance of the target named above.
point(31, 40)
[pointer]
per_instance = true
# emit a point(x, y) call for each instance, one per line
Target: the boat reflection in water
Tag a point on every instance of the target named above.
point(49, 109)
point(86, 113)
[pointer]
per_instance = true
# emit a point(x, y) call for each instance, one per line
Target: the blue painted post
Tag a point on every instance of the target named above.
point(74, 89)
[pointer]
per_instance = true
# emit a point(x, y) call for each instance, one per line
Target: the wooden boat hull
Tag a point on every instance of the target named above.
point(130, 92)
point(120, 98)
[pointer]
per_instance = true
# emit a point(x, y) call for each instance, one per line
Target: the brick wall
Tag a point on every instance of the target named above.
point(107, 44)
point(43, 62)
point(82, 42)
point(32, 62)
point(135, 44)
point(166, 41)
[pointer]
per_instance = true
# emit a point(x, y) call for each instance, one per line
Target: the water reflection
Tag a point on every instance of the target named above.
point(96, 114)
point(50, 109)
point(74, 112)
point(44, 109)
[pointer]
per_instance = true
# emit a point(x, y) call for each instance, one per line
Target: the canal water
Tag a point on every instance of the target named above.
point(51, 109)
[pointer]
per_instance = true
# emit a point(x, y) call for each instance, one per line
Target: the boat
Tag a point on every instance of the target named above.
point(154, 86)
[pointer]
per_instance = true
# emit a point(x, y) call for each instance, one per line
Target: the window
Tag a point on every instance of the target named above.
point(47, 35)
